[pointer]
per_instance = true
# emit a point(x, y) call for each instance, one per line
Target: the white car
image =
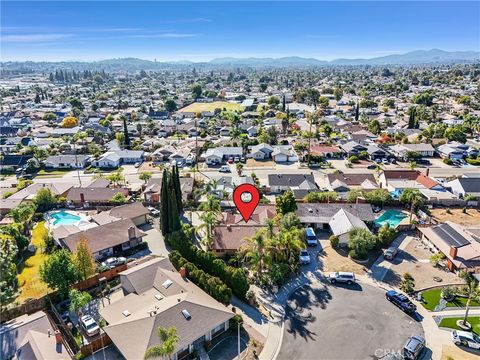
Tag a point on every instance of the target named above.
point(153, 211)
point(466, 338)
point(90, 325)
point(304, 257)
point(114, 261)
point(224, 168)
point(342, 277)
point(137, 164)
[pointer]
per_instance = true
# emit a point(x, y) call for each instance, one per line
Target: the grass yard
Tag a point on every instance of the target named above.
point(29, 280)
point(199, 107)
point(451, 323)
point(53, 172)
point(432, 299)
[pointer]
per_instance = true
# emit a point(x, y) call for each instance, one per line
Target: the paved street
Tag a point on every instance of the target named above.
point(342, 322)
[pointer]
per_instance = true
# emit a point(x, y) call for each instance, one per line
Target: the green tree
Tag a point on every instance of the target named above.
point(126, 137)
point(338, 94)
point(170, 105)
point(286, 203)
point(8, 270)
point(169, 340)
point(239, 167)
point(44, 200)
point(59, 272)
point(374, 127)
point(145, 176)
point(386, 234)
point(455, 133)
point(164, 214)
point(78, 300)
point(408, 283)
point(411, 197)
point(196, 91)
point(83, 259)
point(471, 290)
point(360, 242)
point(273, 102)
point(118, 198)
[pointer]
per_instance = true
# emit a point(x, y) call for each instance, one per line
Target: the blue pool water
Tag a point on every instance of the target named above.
point(64, 218)
point(390, 217)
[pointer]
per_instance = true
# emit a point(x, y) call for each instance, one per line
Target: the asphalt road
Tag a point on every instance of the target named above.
point(344, 322)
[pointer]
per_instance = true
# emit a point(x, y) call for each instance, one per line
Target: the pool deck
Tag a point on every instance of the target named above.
point(49, 219)
point(403, 222)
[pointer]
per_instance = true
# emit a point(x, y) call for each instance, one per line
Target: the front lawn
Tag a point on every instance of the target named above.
point(31, 286)
point(199, 107)
point(431, 298)
point(53, 171)
point(451, 323)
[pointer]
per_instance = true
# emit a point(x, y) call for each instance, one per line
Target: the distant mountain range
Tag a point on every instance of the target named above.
point(414, 57)
point(434, 56)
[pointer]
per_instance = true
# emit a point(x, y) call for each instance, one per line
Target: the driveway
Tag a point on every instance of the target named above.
point(340, 322)
point(154, 238)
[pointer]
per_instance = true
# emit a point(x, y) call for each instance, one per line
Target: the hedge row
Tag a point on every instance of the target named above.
point(235, 278)
point(212, 285)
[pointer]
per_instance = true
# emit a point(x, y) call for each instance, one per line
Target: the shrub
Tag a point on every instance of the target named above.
point(448, 293)
point(334, 241)
point(436, 258)
point(408, 283)
point(234, 321)
point(353, 159)
point(448, 161)
point(386, 234)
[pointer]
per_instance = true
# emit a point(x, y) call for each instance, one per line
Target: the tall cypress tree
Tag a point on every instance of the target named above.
point(174, 217)
point(411, 118)
point(125, 130)
point(357, 112)
point(178, 190)
point(164, 213)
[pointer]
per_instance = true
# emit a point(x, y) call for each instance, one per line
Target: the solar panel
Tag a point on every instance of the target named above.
point(451, 236)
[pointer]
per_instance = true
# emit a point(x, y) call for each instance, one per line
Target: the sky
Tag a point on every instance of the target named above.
point(201, 31)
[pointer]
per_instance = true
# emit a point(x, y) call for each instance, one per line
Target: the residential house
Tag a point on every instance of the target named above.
point(220, 154)
point(342, 223)
point(397, 180)
point(260, 152)
point(84, 196)
point(13, 161)
point(453, 150)
point(156, 295)
point(153, 186)
point(28, 193)
point(401, 150)
point(66, 161)
point(463, 187)
point(341, 182)
point(353, 148)
point(282, 182)
point(460, 245)
point(284, 153)
point(232, 231)
point(107, 239)
point(134, 211)
point(326, 151)
point(376, 153)
point(31, 337)
point(319, 215)
point(113, 159)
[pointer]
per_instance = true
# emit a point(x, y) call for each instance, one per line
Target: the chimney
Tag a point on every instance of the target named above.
point(131, 233)
point(183, 272)
point(82, 197)
point(453, 252)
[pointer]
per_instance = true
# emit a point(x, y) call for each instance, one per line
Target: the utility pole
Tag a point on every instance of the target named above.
point(238, 343)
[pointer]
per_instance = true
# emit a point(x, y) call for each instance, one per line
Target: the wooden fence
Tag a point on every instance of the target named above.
point(28, 307)
point(95, 280)
point(99, 343)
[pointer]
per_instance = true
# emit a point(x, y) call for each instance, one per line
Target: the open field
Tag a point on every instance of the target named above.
point(29, 280)
point(199, 107)
point(470, 218)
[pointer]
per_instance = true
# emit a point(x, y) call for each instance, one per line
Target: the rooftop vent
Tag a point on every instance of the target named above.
point(186, 314)
point(167, 283)
point(126, 313)
point(310, 210)
point(158, 297)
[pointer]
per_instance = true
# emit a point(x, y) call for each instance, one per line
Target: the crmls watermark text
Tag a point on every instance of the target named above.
point(379, 353)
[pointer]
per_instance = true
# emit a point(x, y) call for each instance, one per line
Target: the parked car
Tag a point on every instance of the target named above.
point(137, 164)
point(311, 237)
point(242, 159)
point(237, 159)
point(304, 257)
point(393, 161)
point(114, 261)
point(153, 211)
point(385, 161)
point(224, 168)
point(230, 160)
point(466, 338)
point(414, 347)
point(423, 161)
point(371, 167)
point(390, 253)
point(89, 325)
point(342, 277)
point(401, 300)
point(378, 161)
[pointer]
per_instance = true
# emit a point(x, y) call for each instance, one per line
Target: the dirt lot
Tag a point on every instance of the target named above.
point(251, 163)
point(455, 353)
point(471, 217)
point(148, 166)
point(330, 259)
point(415, 259)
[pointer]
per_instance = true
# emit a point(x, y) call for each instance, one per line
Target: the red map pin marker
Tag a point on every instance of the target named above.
point(247, 205)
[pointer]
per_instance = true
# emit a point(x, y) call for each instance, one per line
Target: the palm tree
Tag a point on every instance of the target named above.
point(22, 214)
point(255, 251)
point(209, 219)
point(471, 290)
point(169, 339)
point(212, 204)
point(412, 197)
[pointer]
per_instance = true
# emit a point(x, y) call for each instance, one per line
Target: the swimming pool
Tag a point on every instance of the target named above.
point(390, 217)
point(64, 218)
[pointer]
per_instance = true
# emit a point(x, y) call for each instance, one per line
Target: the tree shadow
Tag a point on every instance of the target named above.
point(298, 310)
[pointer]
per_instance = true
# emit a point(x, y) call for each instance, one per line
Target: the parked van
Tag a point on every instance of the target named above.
point(311, 237)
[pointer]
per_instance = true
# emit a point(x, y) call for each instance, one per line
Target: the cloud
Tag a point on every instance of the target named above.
point(33, 38)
